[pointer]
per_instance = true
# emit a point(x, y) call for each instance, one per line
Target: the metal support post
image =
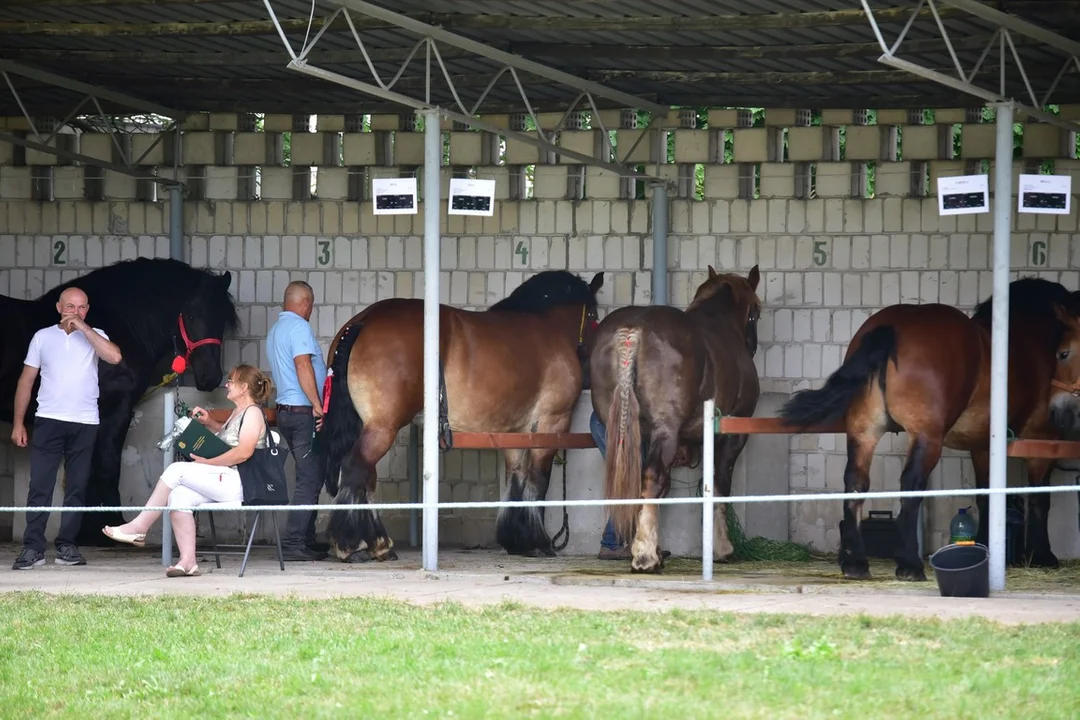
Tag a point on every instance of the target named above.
point(414, 483)
point(169, 415)
point(660, 244)
point(432, 264)
point(708, 463)
point(999, 347)
point(176, 223)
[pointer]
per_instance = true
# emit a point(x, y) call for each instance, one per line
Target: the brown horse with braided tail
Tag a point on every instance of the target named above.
point(652, 368)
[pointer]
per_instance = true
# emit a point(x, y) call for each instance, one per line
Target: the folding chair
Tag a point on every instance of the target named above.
point(217, 552)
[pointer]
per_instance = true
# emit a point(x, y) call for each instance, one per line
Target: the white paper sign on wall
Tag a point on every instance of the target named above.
point(1044, 194)
point(469, 196)
point(394, 196)
point(963, 195)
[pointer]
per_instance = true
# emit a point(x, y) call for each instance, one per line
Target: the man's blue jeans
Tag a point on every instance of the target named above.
point(599, 435)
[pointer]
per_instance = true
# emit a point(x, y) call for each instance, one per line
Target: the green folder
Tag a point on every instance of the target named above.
point(197, 439)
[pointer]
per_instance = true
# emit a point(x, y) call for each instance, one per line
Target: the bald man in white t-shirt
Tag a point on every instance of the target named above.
point(65, 425)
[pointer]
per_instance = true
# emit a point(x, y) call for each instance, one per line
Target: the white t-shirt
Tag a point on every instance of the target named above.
point(69, 374)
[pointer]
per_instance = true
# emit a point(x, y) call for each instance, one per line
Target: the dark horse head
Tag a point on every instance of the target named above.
point(162, 309)
point(734, 298)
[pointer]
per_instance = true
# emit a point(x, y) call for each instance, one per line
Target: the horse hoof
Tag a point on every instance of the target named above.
point(387, 556)
point(1044, 560)
point(910, 574)
point(547, 552)
point(857, 571)
point(360, 556)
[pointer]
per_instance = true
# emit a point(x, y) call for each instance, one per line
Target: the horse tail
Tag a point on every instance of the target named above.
point(831, 402)
point(341, 422)
point(622, 478)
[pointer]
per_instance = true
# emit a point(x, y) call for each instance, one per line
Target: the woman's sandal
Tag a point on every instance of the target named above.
point(136, 539)
point(178, 570)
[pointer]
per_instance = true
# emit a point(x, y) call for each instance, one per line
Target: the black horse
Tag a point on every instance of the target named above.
point(158, 312)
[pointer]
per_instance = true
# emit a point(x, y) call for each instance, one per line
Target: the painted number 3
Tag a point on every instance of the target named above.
point(324, 256)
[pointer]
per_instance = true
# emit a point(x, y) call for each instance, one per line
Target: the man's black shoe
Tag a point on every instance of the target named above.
point(301, 554)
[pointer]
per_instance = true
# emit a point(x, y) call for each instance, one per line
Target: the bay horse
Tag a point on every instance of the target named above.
point(925, 370)
point(516, 367)
point(163, 314)
point(652, 368)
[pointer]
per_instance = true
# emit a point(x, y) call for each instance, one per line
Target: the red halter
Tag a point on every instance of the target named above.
point(179, 363)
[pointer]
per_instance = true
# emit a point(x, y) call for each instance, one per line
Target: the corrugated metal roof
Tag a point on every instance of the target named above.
point(671, 62)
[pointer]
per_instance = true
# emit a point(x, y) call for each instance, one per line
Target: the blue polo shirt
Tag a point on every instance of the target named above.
point(290, 337)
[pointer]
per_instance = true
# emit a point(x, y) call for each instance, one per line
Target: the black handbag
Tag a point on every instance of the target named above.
point(262, 476)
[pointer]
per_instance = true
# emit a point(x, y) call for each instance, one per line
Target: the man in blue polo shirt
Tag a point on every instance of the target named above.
point(298, 369)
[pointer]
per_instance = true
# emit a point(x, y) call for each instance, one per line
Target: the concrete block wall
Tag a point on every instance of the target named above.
point(829, 253)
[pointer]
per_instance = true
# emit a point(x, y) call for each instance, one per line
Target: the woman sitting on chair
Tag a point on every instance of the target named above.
point(190, 484)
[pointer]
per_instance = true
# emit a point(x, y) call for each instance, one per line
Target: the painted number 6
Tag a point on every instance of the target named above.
point(1038, 253)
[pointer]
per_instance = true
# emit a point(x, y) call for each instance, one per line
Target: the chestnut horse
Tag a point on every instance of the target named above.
point(925, 370)
point(516, 367)
point(652, 368)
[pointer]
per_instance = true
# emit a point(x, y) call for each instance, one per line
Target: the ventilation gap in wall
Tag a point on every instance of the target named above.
point(748, 179)
point(575, 182)
point(871, 179)
point(699, 181)
point(356, 179)
point(93, 183)
point(41, 183)
point(314, 186)
point(286, 149)
point(528, 173)
point(517, 182)
point(729, 147)
point(920, 179)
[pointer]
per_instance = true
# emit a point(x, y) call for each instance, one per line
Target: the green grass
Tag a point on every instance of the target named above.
point(70, 656)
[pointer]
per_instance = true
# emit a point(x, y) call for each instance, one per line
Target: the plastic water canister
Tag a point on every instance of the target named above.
point(962, 529)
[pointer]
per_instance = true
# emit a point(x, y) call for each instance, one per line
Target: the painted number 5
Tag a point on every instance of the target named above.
point(325, 250)
point(821, 255)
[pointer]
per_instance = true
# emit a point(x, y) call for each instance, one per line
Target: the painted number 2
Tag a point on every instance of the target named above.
point(325, 253)
point(522, 251)
point(1038, 253)
point(59, 254)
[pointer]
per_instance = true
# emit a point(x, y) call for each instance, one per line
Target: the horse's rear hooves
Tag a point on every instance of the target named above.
point(389, 555)
point(1045, 560)
point(908, 574)
point(857, 572)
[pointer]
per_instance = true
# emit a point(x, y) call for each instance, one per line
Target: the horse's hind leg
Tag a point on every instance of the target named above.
point(520, 530)
point(358, 536)
point(866, 423)
point(645, 550)
point(1037, 550)
point(728, 448)
point(924, 451)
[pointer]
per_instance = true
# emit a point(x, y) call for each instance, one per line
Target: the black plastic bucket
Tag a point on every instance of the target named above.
point(962, 570)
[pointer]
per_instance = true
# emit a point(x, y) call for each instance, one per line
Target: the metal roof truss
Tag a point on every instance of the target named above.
point(430, 36)
point(128, 165)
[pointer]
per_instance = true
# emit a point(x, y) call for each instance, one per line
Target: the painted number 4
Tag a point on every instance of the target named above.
point(522, 251)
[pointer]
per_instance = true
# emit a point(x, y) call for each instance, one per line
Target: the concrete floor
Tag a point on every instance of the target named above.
point(482, 577)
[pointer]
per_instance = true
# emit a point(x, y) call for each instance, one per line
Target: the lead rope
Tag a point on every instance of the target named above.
point(565, 513)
